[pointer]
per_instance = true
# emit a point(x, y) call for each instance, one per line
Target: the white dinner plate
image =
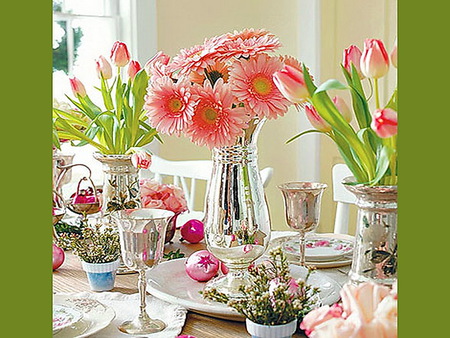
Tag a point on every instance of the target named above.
point(322, 250)
point(96, 316)
point(64, 316)
point(168, 281)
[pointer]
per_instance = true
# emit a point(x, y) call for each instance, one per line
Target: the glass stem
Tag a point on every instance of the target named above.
point(142, 288)
point(302, 247)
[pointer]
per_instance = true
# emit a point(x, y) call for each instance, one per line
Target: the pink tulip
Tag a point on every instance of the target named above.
point(291, 83)
point(343, 108)
point(316, 120)
point(319, 316)
point(352, 55)
point(375, 59)
point(103, 68)
point(384, 122)
point(119, 54)
point(133, 68)
point(77, 87)
point(141, 159)
point(394, 54)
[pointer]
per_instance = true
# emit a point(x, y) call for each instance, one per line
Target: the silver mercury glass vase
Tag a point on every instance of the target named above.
point(237, 223)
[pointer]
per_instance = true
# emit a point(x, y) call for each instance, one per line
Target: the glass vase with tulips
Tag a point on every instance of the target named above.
point(370, 150)
point(119, 125)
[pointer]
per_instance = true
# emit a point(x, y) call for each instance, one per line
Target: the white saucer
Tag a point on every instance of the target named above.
point(168, 281)
point(325, 250)
point(96, 316)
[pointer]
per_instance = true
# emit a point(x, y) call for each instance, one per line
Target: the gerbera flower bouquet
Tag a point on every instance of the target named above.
point(215, 92)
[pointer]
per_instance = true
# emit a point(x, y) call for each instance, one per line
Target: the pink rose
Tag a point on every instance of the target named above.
point(319, 316)
point(362, 300)
point(162, 196)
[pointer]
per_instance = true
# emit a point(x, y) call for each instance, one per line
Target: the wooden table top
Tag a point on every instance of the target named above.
point(71, 278)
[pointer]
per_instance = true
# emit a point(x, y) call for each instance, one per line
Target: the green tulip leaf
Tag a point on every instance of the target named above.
point(329, 85)
point(303, 133)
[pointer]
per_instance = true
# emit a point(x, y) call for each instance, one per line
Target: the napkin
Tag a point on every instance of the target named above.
point(127, 308)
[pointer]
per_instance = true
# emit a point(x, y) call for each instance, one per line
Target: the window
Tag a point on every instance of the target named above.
point(83, 30)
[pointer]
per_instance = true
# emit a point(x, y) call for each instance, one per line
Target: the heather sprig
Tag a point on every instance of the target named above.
point(274, 297)
point(96, 244)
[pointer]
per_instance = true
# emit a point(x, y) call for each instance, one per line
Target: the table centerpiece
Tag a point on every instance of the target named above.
point(369, 149)
point(219, 94)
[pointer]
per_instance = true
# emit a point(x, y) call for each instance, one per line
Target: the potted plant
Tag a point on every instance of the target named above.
point(274, 301)
point(117, 127)
point(98, 248)
point(368, 147)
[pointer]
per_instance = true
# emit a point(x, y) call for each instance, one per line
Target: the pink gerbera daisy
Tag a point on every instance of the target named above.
point(247, 43)
point(215, 122)
point(170, 105)
point(252, 84)
point(196, 58)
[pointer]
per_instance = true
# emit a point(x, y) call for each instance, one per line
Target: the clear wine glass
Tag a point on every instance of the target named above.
point(302, 206)
point(142, 233)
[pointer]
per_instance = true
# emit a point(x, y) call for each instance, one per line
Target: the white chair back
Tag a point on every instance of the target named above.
point(185, 174)
point(343, 198)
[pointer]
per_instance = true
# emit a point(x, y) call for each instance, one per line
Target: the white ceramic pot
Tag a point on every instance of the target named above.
point(271, 331)
point(101, 276)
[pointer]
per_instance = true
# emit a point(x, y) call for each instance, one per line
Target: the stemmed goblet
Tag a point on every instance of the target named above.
point(302, 207)
point(142, 233)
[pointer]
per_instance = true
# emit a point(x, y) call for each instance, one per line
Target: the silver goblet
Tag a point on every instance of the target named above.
point(302, 207)
point(142, 233)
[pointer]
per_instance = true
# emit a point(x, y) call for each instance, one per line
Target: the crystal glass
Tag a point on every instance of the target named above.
point(237, 223)
point(302, 206)
point(375, 252)
point(142, 233)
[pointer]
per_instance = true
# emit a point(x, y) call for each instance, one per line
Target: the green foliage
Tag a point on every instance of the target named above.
point(273, 297)
point(95, 244)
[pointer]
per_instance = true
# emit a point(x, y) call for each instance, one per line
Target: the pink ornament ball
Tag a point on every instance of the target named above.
point(202, 265)
point(58, 257)
point(192, 231)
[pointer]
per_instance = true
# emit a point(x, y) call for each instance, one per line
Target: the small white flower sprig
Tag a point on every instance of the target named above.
point(274, 298)
point(96, 244)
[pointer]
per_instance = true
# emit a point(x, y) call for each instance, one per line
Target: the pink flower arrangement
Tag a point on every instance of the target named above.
point(157, 195)
point(367, 310)
point(211, 92)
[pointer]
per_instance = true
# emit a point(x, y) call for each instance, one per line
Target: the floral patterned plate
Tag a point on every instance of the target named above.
point(323, 250)
point(320, 248)
point(95, 316)
point(64, 316)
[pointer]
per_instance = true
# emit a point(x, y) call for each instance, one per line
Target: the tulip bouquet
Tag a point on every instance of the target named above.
point(212, 92)
point(370, 151)
point(119, 127)
point(366, 310)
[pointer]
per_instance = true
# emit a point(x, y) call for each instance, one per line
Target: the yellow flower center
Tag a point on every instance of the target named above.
point(175, 105)
point(262, 85)
point(209, 115)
